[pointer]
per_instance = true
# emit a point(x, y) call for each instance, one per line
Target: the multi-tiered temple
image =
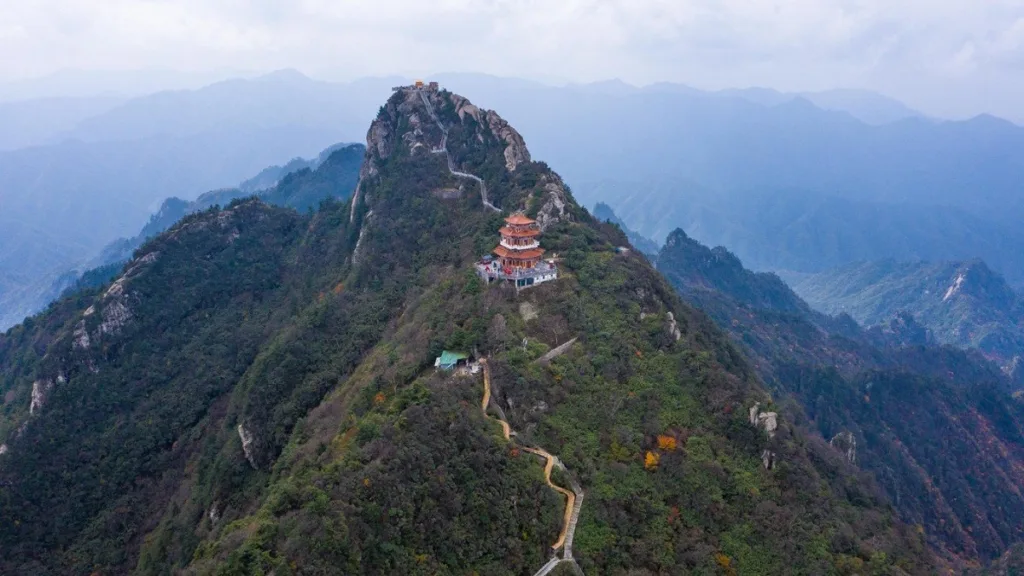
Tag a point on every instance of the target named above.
point(518, 255)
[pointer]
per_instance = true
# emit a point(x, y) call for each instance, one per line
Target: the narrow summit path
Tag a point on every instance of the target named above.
point(574, 498)
point(443, 149)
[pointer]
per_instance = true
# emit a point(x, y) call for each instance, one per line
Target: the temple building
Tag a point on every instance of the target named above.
point(518, 256)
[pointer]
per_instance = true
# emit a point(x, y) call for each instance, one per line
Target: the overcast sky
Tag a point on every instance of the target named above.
point(946, 57)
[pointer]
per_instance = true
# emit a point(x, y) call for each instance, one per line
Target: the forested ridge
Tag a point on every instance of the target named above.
point(940, 429)
point(255, 394)
point(964, 304)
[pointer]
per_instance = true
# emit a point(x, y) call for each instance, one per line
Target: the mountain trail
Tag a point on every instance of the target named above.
point(574, 498)
point(443, 149)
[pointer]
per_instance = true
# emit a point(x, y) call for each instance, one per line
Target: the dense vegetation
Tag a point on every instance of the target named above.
point(937, 426)
point(268, 404)
point(964, 304)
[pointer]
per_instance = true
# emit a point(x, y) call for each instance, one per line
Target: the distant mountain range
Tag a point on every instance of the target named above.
point(809, 232)
point(800, 182)
point(964, 304)
point(73, 83)
point(864, 105)
point(46, 120)
point(604, 213)
point(63, 202)
point(299, 184)
point(783, 182)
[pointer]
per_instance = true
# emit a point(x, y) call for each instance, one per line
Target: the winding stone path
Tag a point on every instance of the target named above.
point(574, 498)
point(443, 149)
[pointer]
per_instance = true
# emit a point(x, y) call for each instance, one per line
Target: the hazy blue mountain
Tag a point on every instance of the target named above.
point(728, 144)
point(965, 304)
point(786, 186)
point(283, 98)
point(808, 232)
point(864, 105)
point(63, 203)
point(72, 83)
point(605, 213)
point(41, 121)
point(301, 184)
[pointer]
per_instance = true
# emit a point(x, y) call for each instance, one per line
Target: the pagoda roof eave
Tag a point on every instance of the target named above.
point(519, 233)
point(530, 254)
point(520, 220)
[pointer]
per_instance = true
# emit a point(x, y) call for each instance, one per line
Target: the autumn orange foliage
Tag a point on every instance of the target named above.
point(651, 461)
point(726, 563)
point(379, 398)
point(666, 443)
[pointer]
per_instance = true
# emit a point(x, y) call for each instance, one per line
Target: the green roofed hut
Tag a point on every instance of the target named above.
point(450, 360)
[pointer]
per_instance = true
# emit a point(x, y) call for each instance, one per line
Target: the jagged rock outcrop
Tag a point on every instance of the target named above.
point(3, 449)
point(40, 392)
point(247, 445)
point(846, 443)
point(673, 327)
point(362, 235)
point(114, 306)
point(1014, 370)
point(767, 420)
point(215, 513)
point(80, 336)
point(553, 210)
point(420, 121)
point(515, 152)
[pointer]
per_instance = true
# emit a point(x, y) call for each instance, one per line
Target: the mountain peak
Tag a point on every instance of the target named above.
point(431, 113)
point(479, 151)
point(283, 75)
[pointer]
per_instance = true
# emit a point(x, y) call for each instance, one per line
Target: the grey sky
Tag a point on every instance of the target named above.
point(946, 57)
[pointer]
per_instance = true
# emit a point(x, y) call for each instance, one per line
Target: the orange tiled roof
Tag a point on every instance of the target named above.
point(519, 220)
point(503, 252)
point(506, 231)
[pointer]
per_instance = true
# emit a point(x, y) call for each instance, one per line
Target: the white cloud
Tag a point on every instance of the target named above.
point(943, 45)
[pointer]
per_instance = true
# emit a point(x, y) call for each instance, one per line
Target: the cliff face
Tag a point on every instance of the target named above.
point(271, 403)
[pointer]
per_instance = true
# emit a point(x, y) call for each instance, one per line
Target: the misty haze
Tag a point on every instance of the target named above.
point(512, 288)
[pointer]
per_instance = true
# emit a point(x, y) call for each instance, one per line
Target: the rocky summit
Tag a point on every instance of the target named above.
point(261, 391)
